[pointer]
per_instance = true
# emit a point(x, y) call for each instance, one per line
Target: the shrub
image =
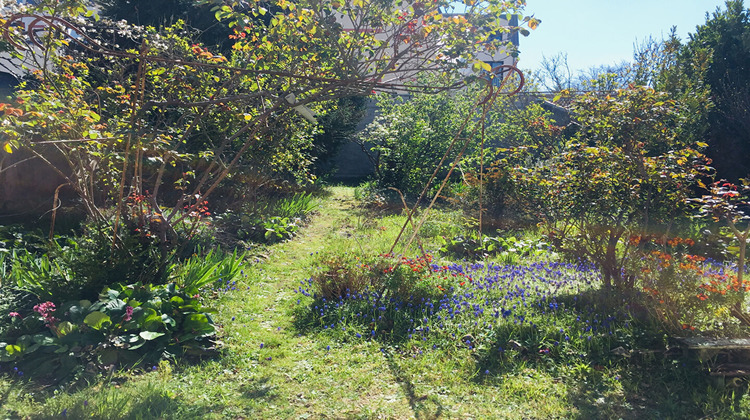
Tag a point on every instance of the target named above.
point(628, 173)
point(508, 249)
point(268, 220)
point(81, 266)
point(338, 275)
point(406, 279)
point(126, 326)
point(201, 270)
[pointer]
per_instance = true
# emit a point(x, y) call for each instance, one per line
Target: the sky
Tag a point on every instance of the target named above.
point(603, 32)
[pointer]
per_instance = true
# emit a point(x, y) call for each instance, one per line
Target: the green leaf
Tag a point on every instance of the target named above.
point(13, 349)
point(198, 324)
point(65, 327)
point(150, 335)
point(168, 320)
point(97, 320)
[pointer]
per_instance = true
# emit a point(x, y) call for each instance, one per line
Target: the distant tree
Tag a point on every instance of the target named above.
point(157, 13)
point(555, 75)
point(554, 72)
point(717, 59)
point(605, 77)
point(650, 58)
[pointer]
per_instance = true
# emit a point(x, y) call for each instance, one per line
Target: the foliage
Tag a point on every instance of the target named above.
point(684, 292)
point(408, 138)
point(128, 325)
point(500, 313)
point(78, 266)
point(507, 249)
point(18, 236)
point(164, 124)
point(728, 203)
point(338, 126)
point(268, 219)
point(279, 229)
point(712, 67)
point(519, 140)
point(279, 350)
point(13, 299)
point(408, 279)
point(206, 269)
point(627, 172)
point(298, 205)
point(165, 13)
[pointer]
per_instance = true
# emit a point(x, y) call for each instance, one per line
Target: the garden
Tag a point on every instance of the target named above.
point(191, 258)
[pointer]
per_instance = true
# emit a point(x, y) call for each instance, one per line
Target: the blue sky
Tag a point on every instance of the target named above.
point(596, 32)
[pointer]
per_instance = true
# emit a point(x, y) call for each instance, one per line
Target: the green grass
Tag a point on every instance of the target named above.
point(316, 373)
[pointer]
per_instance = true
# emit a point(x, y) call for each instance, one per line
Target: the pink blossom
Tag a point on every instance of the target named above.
point(46, 310)
point(128, 314)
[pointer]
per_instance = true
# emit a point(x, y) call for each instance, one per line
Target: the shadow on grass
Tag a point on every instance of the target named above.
point(602, 378)
point(423, 406)
point(612, 358)
point(260, 389)
point(388, 321)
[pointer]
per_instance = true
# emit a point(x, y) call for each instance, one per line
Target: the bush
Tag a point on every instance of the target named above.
point(127, 326)
point(508, 249)
point(269, 220)
point(627, 173)
point(409, 137)
point(199, 271)
point(687, 293)
point(402, 278)
point(78, 267)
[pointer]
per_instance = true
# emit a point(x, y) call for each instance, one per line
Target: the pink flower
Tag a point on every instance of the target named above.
point(15, 315)
point(46, 310)
point(128, 314)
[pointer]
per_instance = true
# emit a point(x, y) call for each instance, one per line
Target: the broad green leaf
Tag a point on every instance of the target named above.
point(97, 320)
point(65, 327)
point(150, 335)
point(13, 349)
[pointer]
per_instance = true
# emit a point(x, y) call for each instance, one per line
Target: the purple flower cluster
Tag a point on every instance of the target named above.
point(487, 304)
point(46, 310)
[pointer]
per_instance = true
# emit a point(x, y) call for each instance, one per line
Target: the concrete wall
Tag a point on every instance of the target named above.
point(27, 186)
point(351, 162)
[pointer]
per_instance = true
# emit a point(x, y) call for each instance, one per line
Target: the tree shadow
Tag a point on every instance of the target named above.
point(388, 320)
point(651, 379)
point(423, 406)
point(257, 390)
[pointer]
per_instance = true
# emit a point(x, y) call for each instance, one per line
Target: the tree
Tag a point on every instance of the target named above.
point(158, 13)
point(118, 116)
point(626, 174)
point(554, 73)
point(717, 59)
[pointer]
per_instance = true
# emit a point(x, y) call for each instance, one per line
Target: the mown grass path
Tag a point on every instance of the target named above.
point(295, 375)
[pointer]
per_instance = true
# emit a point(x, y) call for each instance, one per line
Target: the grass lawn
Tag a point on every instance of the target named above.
point(290, 355)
